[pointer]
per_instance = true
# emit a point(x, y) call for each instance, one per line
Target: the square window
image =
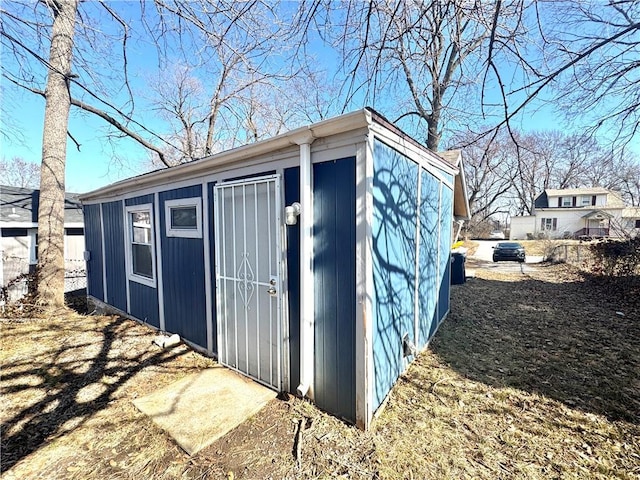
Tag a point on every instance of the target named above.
point(183, 217)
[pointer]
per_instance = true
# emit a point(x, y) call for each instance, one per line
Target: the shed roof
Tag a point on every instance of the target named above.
point(19, 207)
point(227, 159)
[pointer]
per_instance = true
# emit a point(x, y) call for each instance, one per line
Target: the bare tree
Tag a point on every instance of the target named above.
point(54, 154)
point(18, 172)
point(491, 170)
point(88, 33)
point(592, 51)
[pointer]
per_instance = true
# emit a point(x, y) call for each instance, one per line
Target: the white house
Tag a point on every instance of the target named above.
point(577, 213)
point(19, 238)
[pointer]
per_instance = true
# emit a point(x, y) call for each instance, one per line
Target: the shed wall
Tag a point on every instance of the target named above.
point(183, 276)
point(292, 194)
point(116, 274)
point(411, 251)
point(429, 247)
point(334, 285)
point(395, 189)
point(93, 242)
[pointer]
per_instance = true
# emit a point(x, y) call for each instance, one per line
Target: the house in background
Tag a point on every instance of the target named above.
point(19, 237)
point(577, 213)
point(314, 262)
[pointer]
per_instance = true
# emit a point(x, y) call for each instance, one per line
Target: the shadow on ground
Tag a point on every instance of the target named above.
point(562, 340)
point(65, 383)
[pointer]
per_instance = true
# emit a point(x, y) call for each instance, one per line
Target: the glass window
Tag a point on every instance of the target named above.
point(183, 217)
point(566, 201)
point(549, 224)
point(140, 225)
point(586, 200)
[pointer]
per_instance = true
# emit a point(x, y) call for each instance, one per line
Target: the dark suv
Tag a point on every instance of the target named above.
point(508, 251)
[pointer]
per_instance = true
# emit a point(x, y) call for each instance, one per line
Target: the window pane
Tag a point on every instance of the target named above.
point(143, 218)
point(141, 235)
point(142, 264)
point(184, 218)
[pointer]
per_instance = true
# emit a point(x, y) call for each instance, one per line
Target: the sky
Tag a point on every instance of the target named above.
point(99, 161)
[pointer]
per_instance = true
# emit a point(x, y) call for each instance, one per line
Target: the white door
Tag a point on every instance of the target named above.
point(247, 221)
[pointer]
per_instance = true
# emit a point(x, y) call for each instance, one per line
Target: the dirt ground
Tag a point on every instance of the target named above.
point(531, 376)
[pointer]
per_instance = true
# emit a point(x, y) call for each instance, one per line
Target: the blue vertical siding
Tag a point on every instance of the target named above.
point(334, 240)
point(183, 276)
point(212, 265)
point(144, 303)
point(428, 281)
point(446, 225)
point(143, 300)
point(395, 188)
point(292, 194)
point(93, 244)
point(115, 254)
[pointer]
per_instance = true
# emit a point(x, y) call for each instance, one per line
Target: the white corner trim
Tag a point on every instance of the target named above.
point(158, 241)
point(207, 266)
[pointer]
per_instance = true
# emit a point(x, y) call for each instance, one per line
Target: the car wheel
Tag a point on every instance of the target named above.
point(495, 259)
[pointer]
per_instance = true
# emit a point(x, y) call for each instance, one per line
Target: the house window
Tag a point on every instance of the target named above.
point(140, 244)
point(638, 223)
point(549, 224)
point(567, 201)
point(183, 218)
point(586, 201)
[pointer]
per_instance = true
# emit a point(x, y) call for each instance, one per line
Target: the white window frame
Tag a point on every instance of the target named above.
point(585, 201)
point(150, 282)
point(183, 203)
point(567, 202)
point(33, 246)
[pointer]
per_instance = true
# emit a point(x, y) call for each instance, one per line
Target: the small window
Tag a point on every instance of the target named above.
point(566, 201)
point(638, 223)
point(183, 218)
point(140, 244)
point(549, 224)
point(586, 201)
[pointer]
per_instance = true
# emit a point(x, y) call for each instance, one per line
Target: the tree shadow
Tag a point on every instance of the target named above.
point(76, 381)
point(561, 340)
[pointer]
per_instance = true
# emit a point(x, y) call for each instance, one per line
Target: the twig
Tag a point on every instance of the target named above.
point(297, 445)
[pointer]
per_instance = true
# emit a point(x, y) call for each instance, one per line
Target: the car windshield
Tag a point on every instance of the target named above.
point(509, 245)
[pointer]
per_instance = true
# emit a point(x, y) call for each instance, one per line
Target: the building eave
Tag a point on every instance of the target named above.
point(345, 123)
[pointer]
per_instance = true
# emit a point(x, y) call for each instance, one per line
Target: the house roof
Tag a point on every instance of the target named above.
point(597, 214)
point(576, 191)
point(19, 207)
point(224, 160)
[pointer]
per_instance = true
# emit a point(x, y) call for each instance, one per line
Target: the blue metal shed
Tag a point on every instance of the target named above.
point(308, 261)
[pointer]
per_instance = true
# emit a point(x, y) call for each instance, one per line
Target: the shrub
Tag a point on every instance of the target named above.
point(620, 258)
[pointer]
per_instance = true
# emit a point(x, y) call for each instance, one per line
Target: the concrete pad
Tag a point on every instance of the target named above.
point(200, 408)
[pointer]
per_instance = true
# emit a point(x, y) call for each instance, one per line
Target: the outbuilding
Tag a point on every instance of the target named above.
point(315, 262)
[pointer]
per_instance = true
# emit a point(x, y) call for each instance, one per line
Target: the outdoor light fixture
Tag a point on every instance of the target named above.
point(291, 213)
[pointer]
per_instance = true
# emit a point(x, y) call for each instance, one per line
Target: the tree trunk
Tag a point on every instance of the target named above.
point(50, 275)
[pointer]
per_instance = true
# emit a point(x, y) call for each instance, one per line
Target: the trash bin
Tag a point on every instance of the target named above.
point(458, 274)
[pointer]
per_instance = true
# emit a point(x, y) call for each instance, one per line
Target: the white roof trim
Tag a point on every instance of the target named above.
point(344, 123)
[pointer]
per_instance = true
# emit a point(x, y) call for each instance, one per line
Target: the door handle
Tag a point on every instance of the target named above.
point(272, 291)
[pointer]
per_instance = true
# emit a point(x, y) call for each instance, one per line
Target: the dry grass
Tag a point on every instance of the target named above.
point(529, 377)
